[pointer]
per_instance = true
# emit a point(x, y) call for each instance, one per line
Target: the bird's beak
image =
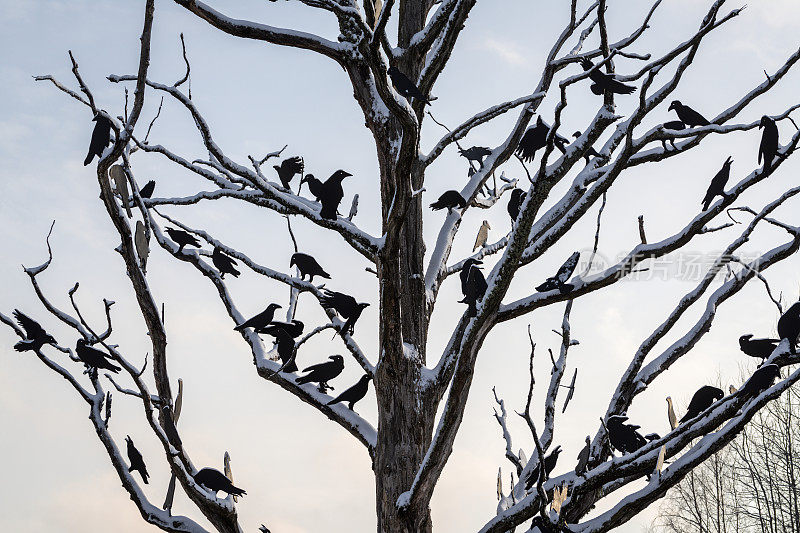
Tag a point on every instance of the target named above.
point(347, 173)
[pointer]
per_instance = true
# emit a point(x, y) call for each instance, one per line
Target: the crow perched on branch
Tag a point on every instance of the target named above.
point(101, 136)
point(476, 153)
point(284, 333)
point(761, 380)
point(224, 263)
point(294, 328)
point(288, 169)
point(345, 305)
point(687, 115)
point(515, 203)
point(308, 266)
point(35, 335)
point(354, 393)
point(322, 373)
point(260, 320)
point(675, 125)
point(403, 85)
point(761, 348)
point(604, 82)
point(147, 190)
point(535, 138)
point(183, 238)
point(215, 481)
point(473, 285)
point(314, 186)
point(559, 281)
point(717, 186)
point(702, 400)
point(789, 326)
point(331, 194)
point(136, 460)
point(549, 465)
point(624, 437)
point(449, 200)
point(93, 357)
point(768, 148)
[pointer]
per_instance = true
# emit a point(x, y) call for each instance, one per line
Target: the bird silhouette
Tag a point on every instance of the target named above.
point(183, 238)
point(288, 169)
point(604, 82)
point(768, 148)
point(464, 273)
point(35, 335)
point(147, 190)
point(322, 373)
point(761, 380)
point(475, 153)
point(702, 400)
point(483, 235)
point(583, 457)
point(687, 115)
point(314, 186)
point(94, 358)
point(168, 423)
point(515, 203)
point(559, 281)
point(308, 266)
point(284, 333)
point(354, 393)
point(101, 136)
point(717, 186)
point(215, 481)
point(474, 286)
point(535, 138)
point(591, 152)
point(624, 437)
point(294, 328)
point(403, 85)
point(761, 348)
point(789, 326)
point(261, 319)
point(674, 125)
point(346, 306)
point(224, 263)
point(331, 194)
point(136, 460)
point(549, 464)
point(449, 200)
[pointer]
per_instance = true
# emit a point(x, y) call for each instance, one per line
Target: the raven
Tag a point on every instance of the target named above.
point(35, 335)
point(559, 281)
point(314, 186)
point(515, 203)
point(307, 266)
point(322, 373)
point(224, 263)
point(535, 138)
point(702, 400)
point(182, 238)
point(284, 334)
point(605, 82)
point(354, 393)
point(591, 152)
point(345, 305)
point(215, 481)
point(93, 357)
point(675, 125)
point(403, 85)
point(473, 285)
point(768, 148)
point(294, 328)
point(147, 190)
point(549, 465)
point(449, 200)
point(101, 136)
point(260, 320)
point(288, 169)
point(136, 460)
point(583, 457)
point(476, 153)
point(761, 380)
point(331, 194)
point(717, 186)
point(687, 115)
point(789, 326)
point(624, 437)
point(761, 348)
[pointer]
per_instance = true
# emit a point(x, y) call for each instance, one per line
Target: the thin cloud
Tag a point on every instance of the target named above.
point(508, 52)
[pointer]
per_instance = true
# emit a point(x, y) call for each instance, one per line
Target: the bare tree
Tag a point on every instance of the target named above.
point(409, 446)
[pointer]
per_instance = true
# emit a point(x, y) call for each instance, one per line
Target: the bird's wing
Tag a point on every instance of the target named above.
point(318, 366)
point(31, 327)
point(568, 268)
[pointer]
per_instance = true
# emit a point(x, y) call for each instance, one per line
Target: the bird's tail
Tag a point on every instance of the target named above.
point(89, 158)
point(302, 380)
point(236, 491)
point(114, 368)
point(20, 346)
point(324, 275)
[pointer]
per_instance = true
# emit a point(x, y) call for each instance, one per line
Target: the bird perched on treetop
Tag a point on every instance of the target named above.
point(307, 266)
point(314, 186)
point(261, 319)
point(94, 358)
point(331, 194)
point(789, 326)
point(549, 465)
point(476, 153)
point(688, 116)
point(344, 304)
point(702, 400)
point(449, 200)
point(224, 263)
point(215, 481)
point(403, 85)
point(101, 136)
point(605, 82)
point(768, 148)
point(288, 169)
point(136, 460)
point(624, 437)
point(483, 235)
point(183, 238)
point(322, 373)
point(473, 285)
point(717, 186)
point(761, 348)
point(515, 203)
point(35, 335)
point(559, 281)
point(354, 393)
point(761, 380)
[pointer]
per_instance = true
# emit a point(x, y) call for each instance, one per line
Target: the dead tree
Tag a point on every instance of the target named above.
point(410, 447)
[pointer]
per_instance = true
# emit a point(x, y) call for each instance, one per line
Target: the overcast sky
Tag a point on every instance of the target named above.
point(302, 472)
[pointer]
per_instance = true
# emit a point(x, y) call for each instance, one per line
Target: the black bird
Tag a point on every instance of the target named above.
point(403, 85)
point(216, 481)
point(605, 82)
point(449, 200)
point(182, 238)
point(286, 349)
point(702, 400)
point(687, 115)
point(717, 186)
point(314, 186)
point(761, 380)
point(101, 136)
point(583, 457)
point(294, 328)
point(768, 148)
point(224, 263)
point(464, 274)
point(147, 190)
point(761, 348)
point(624, 437)
point(354, 393)
point(345, 305)
point(288, 169)
point(549, 465)
point(532, 140)
point(168, 423)
point(331, 194)
point(675, 125)
point(260, 320)
point(93, 357)
point(543, 525)
point(591, 152)
point(308, 266)
point(322, 373)
point(476, 153)
point(515, 203)
point(789, 326)
point(136, 460)
point(559, 281)
point(474, 286)
point(35, 335)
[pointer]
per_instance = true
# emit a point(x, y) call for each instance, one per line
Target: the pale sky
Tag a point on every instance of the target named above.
point(302, 472)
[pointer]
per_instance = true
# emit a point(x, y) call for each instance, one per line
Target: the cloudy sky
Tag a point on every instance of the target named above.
point(303, 473)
